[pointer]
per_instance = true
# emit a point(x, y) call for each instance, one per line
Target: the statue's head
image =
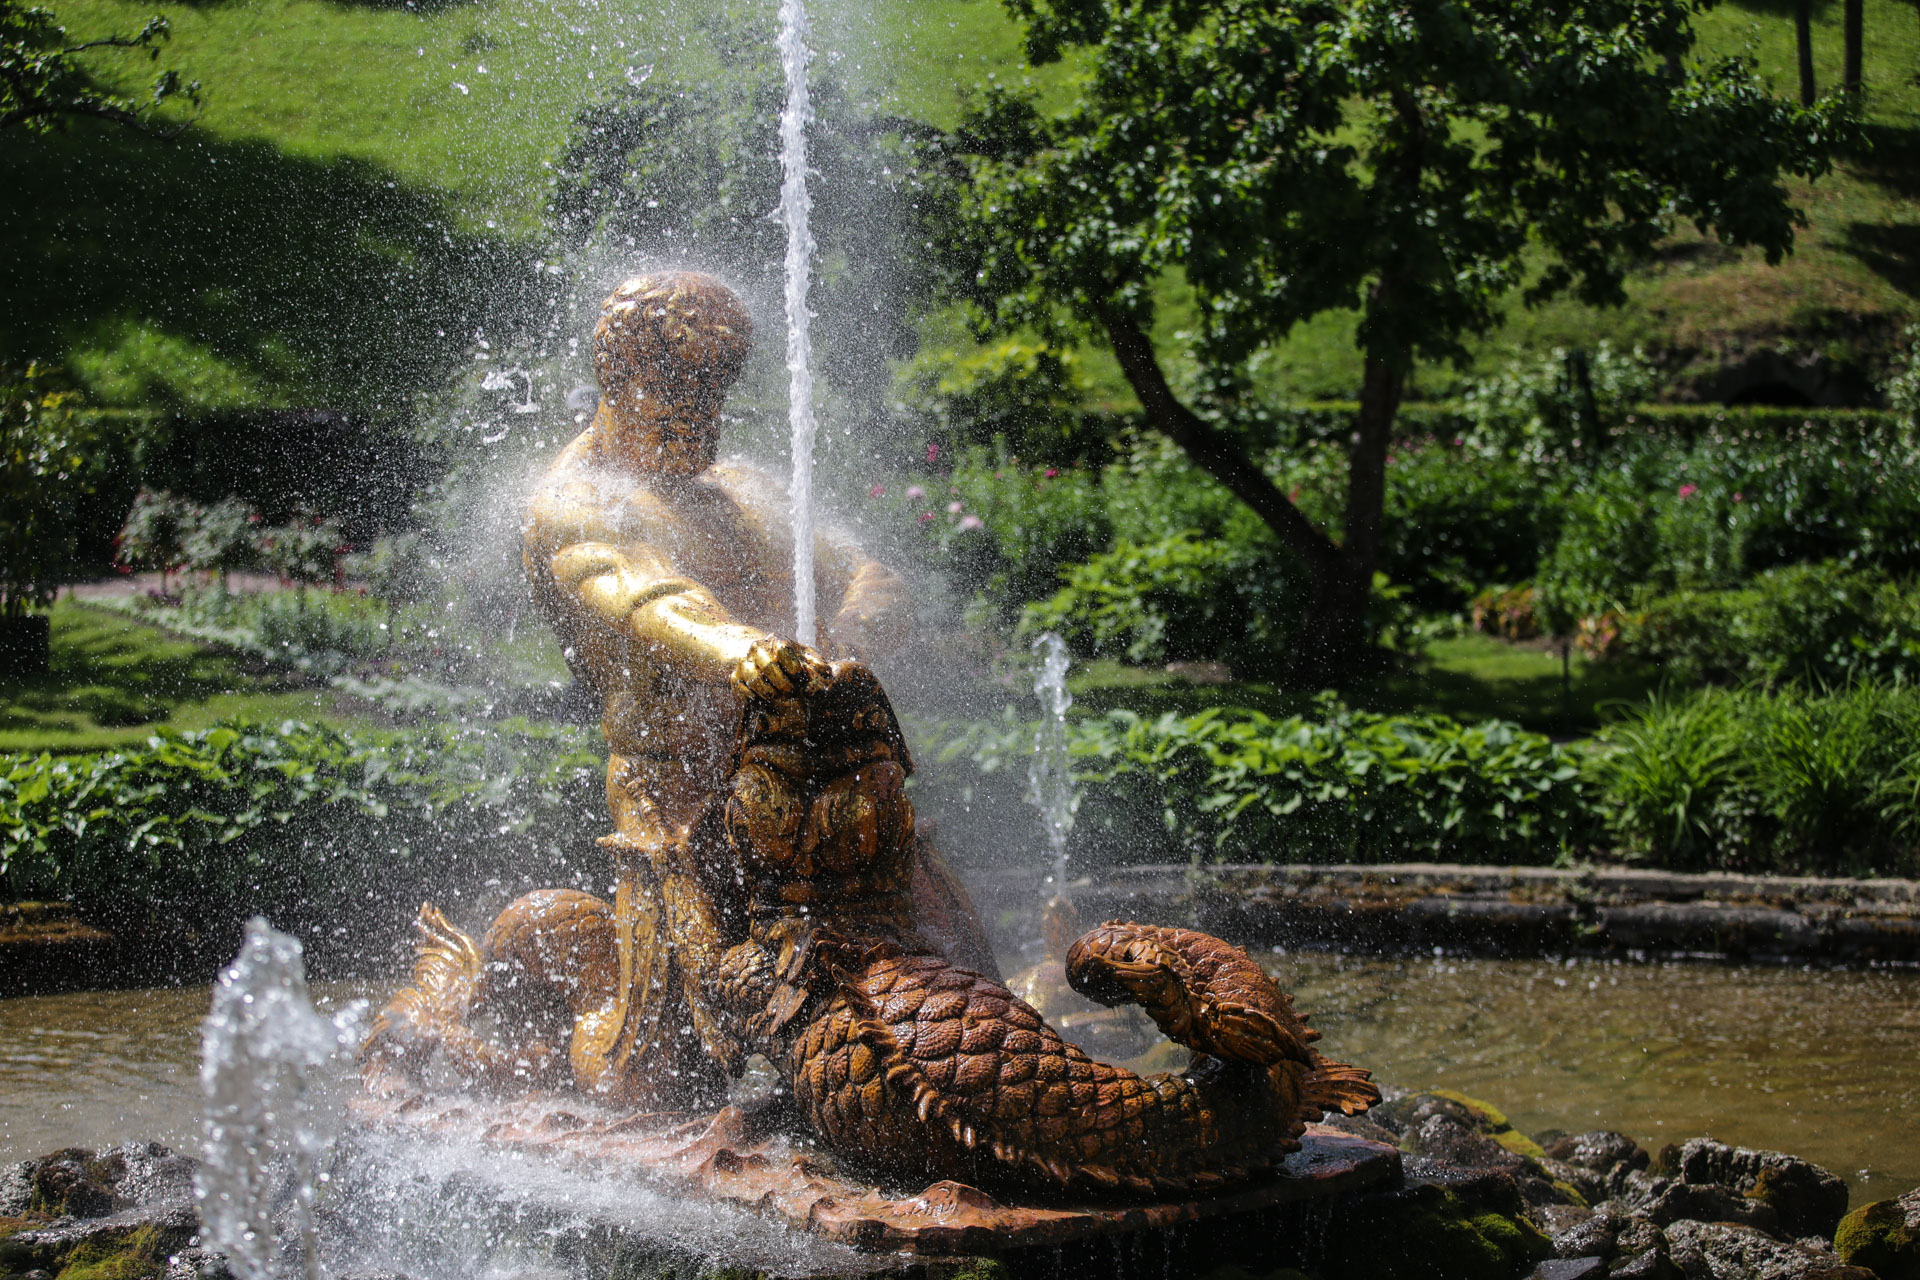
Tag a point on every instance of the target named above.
point(667, 347)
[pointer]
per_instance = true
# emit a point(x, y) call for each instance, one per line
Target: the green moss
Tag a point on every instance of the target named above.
point(1491, 1119)
point(978, 1269)
point(132, 1257)
point(24, 1222)
point(1877, 1237)
point(1570, 1193)
point(1432, 1236)
point(1520, 1144)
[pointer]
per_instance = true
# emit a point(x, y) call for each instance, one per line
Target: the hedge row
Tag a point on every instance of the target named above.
point(1235, 785)
point(307, 824)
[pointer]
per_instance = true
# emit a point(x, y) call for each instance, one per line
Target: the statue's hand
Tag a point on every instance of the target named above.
point(776, 668)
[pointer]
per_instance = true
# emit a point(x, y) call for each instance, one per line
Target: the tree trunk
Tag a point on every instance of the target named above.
point(1333, 631)
point(1803, 48)
point(1852, 22)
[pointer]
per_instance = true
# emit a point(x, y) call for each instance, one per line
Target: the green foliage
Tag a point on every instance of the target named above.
point(1557, 407)
point(1235, 785)
point(1769, 780)
point(305, 551)
point(221, 538)
point(44, 483)
point(1179, 599)
point(1284, 155)
point(1820, 624)
point(1715, 511)
point(44, 81)
point(1003, 528)
point(286, 818)
point(1023, 392)
point(1457, 521)
point(154, 536)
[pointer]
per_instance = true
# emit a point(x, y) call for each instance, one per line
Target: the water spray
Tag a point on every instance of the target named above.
point(795, 208)
point(1050, 773)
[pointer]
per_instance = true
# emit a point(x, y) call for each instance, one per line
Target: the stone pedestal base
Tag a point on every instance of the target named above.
point(724, 1158)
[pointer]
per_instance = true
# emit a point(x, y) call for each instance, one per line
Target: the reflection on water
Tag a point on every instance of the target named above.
point(92, 1068)
point(1823, 1064)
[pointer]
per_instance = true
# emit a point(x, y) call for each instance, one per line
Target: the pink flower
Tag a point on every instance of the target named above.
point(1688, 490)
point(1052, 472)
point(972, 522)
point(999, 476)
point(878, 491)
point(915, 491)
point(925, 516)
point(1736, 497)
point(933, 453)
point(956, 507)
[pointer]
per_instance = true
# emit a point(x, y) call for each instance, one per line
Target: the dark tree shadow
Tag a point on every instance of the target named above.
point(1890, 250)
point(332, 278)
point(1890, 159)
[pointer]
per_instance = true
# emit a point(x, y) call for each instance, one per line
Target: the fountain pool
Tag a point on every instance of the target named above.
point(1815, 1062)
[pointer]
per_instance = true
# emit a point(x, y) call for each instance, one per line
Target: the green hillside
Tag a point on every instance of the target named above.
point(362, 193)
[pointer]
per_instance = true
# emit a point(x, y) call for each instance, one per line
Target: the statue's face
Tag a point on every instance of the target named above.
point(666, 349)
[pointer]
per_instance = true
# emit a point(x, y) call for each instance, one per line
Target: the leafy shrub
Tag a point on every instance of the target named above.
point(1022, 392)
point(1181, 598)
point(298, 821)
point(1001, 527)
point(154, 536)
point(1821, 624)
point(1235, 785)
point(1553, 408)
point(1456, 521)
point(221, 538)
point(1785, 780)
point(44, 483)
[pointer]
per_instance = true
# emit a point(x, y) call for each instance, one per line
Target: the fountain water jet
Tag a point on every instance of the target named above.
point(266, 1131)
point(795, 207)
point(1049, 773)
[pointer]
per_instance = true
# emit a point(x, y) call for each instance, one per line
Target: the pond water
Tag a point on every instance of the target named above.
point(1825, 1064)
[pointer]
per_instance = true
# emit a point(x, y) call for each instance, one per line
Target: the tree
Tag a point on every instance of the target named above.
point(1852, 41)
point(1803, 49)
point(1417, 160)
point(44, 482)
point(44, 80)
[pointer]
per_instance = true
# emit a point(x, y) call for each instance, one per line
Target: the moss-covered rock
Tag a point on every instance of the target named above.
point(139, 1256)
point(1430, 1233)
point(1884, 1237)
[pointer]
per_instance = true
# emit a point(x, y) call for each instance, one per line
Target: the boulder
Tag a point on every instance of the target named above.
point(1569, 1269)
point(1806, 1200)
point(1592, 1238)
point(1440, 1136)
point(1724, 1251)
point(1708, 1202)
point(1884, 1236)
point(1599, 1150)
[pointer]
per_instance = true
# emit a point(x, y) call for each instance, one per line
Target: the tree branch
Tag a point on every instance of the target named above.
point(1212, 450)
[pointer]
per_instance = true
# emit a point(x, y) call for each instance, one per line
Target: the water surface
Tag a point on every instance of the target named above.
point(1825, 1064)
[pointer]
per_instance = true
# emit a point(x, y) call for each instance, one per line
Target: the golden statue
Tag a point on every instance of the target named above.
point(772, 893)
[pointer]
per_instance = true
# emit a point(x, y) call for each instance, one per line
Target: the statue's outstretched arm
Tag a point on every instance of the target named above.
point(677, 622)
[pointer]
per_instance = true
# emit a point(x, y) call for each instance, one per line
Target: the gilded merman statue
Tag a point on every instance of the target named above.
point(773, 895)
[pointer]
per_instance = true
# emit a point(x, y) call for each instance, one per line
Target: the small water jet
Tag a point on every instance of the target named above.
point(1050, 772)
point(267, 1130)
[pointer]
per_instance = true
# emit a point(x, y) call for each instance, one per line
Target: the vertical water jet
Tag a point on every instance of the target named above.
point(795, 209)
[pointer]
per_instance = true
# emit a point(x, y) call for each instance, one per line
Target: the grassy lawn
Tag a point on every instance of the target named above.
point(362, 194)
point(1470, 678)
point(113, 681)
